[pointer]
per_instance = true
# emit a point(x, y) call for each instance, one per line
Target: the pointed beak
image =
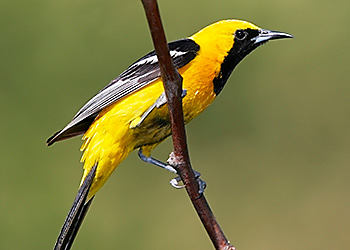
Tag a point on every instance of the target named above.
point(267, 35)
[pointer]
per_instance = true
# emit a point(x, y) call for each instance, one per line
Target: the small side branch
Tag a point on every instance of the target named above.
point(181, 161)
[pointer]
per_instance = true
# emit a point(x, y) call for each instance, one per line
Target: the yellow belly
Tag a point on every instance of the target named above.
point(112, 136)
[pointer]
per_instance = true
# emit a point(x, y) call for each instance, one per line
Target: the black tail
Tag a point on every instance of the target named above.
point(76, 214)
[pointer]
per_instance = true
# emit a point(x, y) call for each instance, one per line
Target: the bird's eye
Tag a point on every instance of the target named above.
point(240, 34)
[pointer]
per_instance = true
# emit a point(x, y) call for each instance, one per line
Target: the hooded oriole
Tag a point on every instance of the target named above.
point(130, 112)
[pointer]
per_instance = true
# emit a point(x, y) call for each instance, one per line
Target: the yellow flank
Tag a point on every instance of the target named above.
point(114, 134)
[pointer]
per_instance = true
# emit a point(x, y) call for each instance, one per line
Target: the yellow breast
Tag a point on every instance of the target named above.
point(112, 136)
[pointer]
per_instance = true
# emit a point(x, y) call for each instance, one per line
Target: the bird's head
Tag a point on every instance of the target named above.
point(229, 41)
point(236, 36)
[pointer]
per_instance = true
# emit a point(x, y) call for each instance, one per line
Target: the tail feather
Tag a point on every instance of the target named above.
point(76, 214)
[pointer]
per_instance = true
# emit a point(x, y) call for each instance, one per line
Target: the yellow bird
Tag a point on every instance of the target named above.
point(131, 112)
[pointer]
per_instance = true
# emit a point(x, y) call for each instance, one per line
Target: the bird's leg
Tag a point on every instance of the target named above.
point(202, 184)
point(175, 181)
point(155, 162)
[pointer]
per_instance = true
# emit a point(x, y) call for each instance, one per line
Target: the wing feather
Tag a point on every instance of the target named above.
point(138, 75)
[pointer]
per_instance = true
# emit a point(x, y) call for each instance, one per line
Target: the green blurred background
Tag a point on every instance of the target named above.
point(273, 148)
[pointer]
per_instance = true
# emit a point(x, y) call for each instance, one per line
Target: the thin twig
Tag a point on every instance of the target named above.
point(173, 88)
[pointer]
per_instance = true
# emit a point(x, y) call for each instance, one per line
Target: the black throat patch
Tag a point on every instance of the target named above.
point(239, 50)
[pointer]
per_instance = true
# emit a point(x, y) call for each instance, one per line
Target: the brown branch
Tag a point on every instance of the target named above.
point(172, 82)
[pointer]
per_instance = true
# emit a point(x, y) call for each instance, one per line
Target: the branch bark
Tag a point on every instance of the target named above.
point(172, 82)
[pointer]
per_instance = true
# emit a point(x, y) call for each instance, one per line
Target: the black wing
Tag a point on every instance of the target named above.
point(137, 76)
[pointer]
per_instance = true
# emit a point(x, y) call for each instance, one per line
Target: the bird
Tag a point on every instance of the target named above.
point(130, 113)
